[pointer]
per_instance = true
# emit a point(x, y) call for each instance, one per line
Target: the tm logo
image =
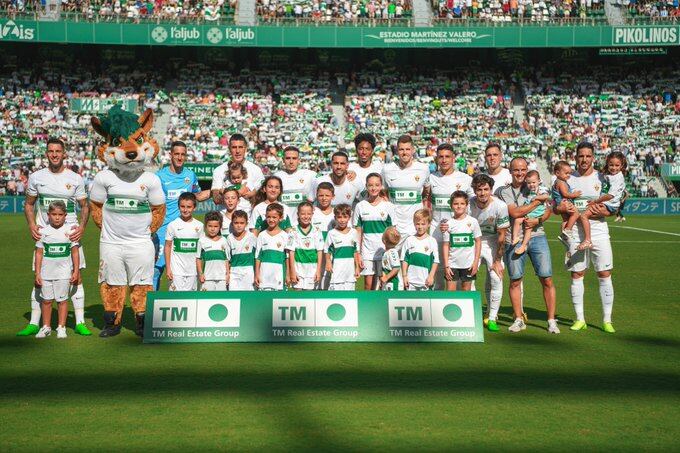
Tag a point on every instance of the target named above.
point(315, 312)
point(196, 313)
point(431, 313)
point(13, 31)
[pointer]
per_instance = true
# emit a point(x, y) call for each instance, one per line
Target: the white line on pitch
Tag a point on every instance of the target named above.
point(633, 228)
point(634, 242)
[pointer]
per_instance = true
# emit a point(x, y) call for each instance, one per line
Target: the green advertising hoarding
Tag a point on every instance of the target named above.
point(168, 34)
point(203, 170)
point(671, 171)
point(299, 316)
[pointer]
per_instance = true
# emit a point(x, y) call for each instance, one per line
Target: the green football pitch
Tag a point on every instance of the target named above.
point(576, 391)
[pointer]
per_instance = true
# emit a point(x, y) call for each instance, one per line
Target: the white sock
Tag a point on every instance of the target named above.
point(495, 294)
point(35, 309)
point(607, 298)
point(577, 291)
point(78, 300)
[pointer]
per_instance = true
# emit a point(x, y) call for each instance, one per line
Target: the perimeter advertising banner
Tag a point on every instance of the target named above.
point(291, 316)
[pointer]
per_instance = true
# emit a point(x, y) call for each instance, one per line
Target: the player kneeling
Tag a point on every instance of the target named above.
point(57, 269)
point(211, 263)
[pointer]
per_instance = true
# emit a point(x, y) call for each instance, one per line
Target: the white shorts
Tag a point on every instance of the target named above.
point(305, 283)
point(214, 285)
point(344, 286)
point(130, 264)
point(57, 290)
point(371, 267)
point(81, 254)
point(183, 283)
point(600, 256)
point(238, 283)
point(417, 287)
point(487, 254)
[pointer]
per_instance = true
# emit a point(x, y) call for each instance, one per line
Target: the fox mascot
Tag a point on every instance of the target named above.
point(128, 205)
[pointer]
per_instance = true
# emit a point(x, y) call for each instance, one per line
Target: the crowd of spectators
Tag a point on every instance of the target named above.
point(518, 10)
point(334, 11)
point(652, 9)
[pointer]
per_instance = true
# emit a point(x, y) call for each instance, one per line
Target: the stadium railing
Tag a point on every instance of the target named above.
point(339, 21)
point(520, 21)
point(118, 18)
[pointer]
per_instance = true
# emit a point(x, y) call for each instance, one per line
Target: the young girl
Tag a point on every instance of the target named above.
point(305, 251)
point(612, 192)
point(240, 254)
point(371, 218)
point(231, 201)
point(237, 174)
point(562, 192)
point(420, 254)
point(57, 268)
point(462, 244)
point(270, 256)
point(342, 254)
point(391, 265)
point(269, 193)
point(212, 255)
point(533, 181)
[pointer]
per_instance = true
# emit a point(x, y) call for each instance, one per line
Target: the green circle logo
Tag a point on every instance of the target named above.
point(452, 312)
point(218, 312)
point(336, 312)
point(411, 194)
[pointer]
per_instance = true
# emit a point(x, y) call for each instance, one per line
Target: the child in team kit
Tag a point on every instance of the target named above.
point(231, 201)
point(212, 255)
point(269, 193)
point(462, 244)
point(181, 245)
point(420, 254)
point(341, 251)
point(240, 254)
point(323, 220)
point(57, 268)
point(305, 251)
point(237, 174)
point(561, 191)
point(270, 252)
point(371, 218)
point(391, 264)
point(533, 181)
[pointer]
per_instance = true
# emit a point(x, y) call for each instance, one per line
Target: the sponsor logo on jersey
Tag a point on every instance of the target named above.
point(142, 187)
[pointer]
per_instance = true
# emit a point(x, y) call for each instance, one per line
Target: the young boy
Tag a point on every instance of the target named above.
point(323, 220)
point(181, 245)
point(212, 255)
point(391, 264)
point(231, 202)
point(462, 244)
point(341, 251)
point(57, 268)
point(420, 254)
point(240, 254)
point(371, 218)
point(270, 254)
point(561, 191)
point(533, 182)
point(305, 250)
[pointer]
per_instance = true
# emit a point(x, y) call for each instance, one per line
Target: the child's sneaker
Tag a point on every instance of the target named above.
point(61, 332)
point(45, 331)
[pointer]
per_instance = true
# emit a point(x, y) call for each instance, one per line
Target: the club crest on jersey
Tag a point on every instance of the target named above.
point(68, 186)
point(458, 186)
point(417, 178)
point(186, 180)
point(307, 243)
point(197, 229)
point(597, 187)
point(142, 187)
point(469, 224)
point(302, 181)
point(247, 247)
point(278, 245)
point(348, 196)
point(382, 215)
point(427, 248)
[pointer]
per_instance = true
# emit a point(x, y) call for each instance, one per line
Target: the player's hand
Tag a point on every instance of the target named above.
point(357, 273)
point(317, 277)
point(38, 280)
point(329, 267)
point(201, 278)
point(35, 232)
point(429, 282)
point(75, 276)
point(168, 274)
point(76, 233)
point(497, 267)
point(405, 282)
point(443, 226)
point(226, 281)
point(530, 223)
point(542, 197)
point(361, 263)
point(256, 281)
point(294, 279)
point(473, 269)
point(448, 274)
point(351, 175)
point(577, 193)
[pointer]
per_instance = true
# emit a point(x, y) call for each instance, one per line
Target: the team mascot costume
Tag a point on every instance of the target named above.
point(128, 205)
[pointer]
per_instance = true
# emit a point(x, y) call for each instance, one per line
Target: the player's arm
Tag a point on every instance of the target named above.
point(522, 211)
point(257, 272)
point(564, 191)
point(292, 275)
point(430, 277)
point(357, 265)
point(390, 275)
point(77, 233)
point(29, 212)
point(532, 223)
point(75, 260)
point(228, 267)
point(38, 264)
point(203, 195)
point(446, 249)
point(404, 273)
point(319, 259)
point(199, 270)
point(497, 264)
point(360, 235)
point(478, 251)
point(167, 250)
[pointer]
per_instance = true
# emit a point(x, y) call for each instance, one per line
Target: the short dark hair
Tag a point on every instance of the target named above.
point(342, 209)
point(275, 207)
point(534, 173)
point(179, 143)
point(291, 148)
point(405, 139)
point(340, 154)
point(459, 194)
point(239, 214)
point(237, 138)
point(187, 196)
point(307, 204)
point(481, 179)
point(213, 216)
point(445, 146)
point(560, 165)
point(583, 145)
point(326, 186)
point(364, 137)
point(235, 166)
point(55, 141)
point(492, 145)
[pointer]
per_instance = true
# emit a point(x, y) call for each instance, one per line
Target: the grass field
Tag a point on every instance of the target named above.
point(528, 391)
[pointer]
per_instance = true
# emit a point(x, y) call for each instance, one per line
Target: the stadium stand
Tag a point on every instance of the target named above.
point(334, 11)
point(499, 11)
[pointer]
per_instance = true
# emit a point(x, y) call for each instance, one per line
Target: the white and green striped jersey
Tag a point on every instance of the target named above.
point(127, 206)
point(373, 221)
point(461, 235)
point(323, 222)
point(241, 257)
point(342, 246)
point(491, 218)
point(184, 237)
point(405, 188)
point(345, 193)
point(420, 254)
point(66, 186)
point(271, 253)
point(56, 245)
point(258, 218)
point(361, 172)
point(213, 253)
point(305, 248)
point(391, 261)
point(296, 187)
point(441, 188)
